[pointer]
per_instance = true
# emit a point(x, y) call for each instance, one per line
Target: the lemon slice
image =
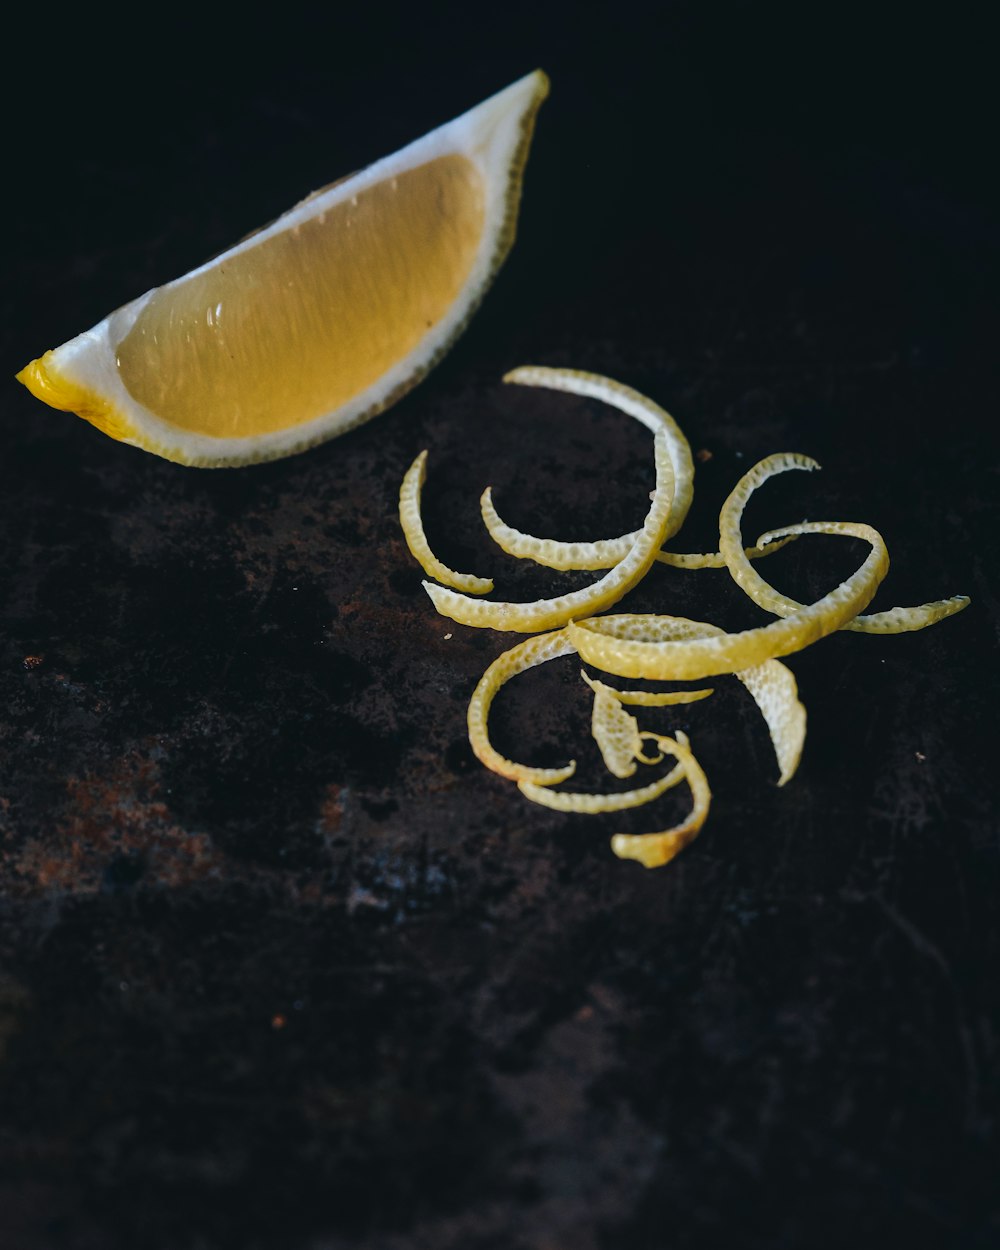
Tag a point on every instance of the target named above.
point(413, 531)
point(891, 621)
point(320, 320)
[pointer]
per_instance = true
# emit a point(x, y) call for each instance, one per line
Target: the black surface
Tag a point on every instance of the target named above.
point(280, 965)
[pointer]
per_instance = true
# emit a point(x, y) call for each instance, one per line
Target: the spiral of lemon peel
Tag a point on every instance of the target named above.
point(653, 646)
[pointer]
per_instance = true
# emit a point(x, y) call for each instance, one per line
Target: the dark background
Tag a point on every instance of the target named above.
point(281, 967)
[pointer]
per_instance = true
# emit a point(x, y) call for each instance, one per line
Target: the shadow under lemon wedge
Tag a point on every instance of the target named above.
point(320, 320)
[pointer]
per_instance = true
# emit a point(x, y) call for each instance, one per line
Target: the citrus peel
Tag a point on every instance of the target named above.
point(771, 684)
point(545, 614)
point(653, 850)
point(600, 553)
point(413, 531)
point(518, 659)
point(617, 732)
point(891, 621)
point(595, 804)
point(633, 404)
point(690, 658)
point(661, 647)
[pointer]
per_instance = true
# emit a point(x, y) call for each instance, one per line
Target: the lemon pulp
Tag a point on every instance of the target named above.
point(295, 327)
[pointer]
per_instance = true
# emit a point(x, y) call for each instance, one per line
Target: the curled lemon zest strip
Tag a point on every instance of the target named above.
point(771, 683)
point(648, 759)
point(601, 553)
point(545, 614)
point(653, 850)
point(648, 698)
point(413, 531)
point(616, 732)
point(527, 654)
point(691, 658)
point(595, 804)
point(633, 404)
point(891, 621)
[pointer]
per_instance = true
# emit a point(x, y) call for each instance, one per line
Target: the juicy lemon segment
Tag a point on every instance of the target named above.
point(322, 319)
point(305, 320)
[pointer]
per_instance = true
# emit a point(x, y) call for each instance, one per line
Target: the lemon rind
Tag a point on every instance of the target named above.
point(653, 850)
point(509, 664)
point(412, 524)
point(544, 614)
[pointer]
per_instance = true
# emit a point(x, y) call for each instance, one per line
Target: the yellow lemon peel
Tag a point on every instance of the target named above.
point(661, 647)
point(692, 658)
point(891, 621)
point(544, 614)
point(616, 731)
point(771, 684)
point(648, 698)
point(595, 804)
point(653, 850)
point(516, 660)
point(600, 553)
point(633, 404)
point(413, 531)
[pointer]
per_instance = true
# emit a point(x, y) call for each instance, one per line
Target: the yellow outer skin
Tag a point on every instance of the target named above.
point(693, 658)
point(596, 804)
point(653, 850)
point(737, 560)
point(616, 731)
point(600, 553)
point(416, 540)
point(772, 684)
point(542, 614)
point(519, 659)
point(705, 657)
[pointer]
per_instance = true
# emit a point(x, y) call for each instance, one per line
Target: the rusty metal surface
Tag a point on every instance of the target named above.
point(282, 966)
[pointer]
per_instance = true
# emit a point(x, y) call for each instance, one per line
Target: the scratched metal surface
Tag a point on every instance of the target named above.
point(280, 965)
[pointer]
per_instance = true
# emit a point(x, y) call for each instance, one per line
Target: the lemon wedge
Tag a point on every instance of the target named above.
point(320, 320)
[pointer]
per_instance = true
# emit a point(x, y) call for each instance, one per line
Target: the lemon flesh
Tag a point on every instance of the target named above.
point(307, 319)
point(322, 319)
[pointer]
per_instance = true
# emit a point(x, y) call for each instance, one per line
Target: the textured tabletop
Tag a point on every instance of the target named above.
point(281, 966)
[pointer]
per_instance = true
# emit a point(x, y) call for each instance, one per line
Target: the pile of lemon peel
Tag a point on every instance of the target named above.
point(651, 646)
